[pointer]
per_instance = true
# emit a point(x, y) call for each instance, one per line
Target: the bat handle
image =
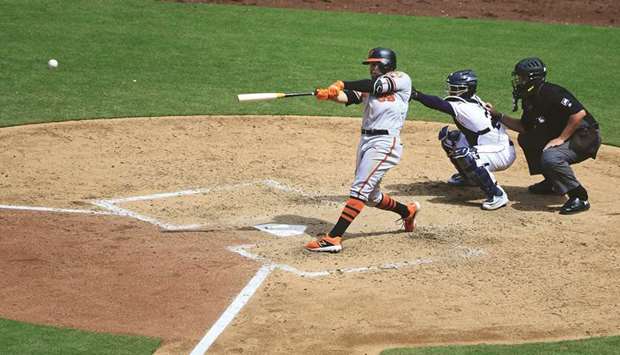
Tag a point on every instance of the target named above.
point(293, 94)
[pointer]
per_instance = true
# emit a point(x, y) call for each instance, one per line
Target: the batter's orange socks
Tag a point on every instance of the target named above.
point(389, 204)
point(349, 212)
point(352, 209)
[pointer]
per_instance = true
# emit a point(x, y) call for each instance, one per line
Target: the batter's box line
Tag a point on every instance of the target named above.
point(242, 250)
point(119, 211)
point(112, 204)
point(53, 209)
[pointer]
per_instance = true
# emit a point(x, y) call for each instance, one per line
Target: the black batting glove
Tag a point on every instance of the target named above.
point(414, 94)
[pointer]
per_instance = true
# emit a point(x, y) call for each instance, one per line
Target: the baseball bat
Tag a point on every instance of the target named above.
point(271, 95)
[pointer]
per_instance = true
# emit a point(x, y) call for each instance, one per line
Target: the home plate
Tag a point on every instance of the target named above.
point(282, 230)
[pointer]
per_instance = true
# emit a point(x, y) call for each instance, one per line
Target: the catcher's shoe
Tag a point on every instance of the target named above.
point(458, 180)
point(410, 222)
point(495, 202)
point(325, 244)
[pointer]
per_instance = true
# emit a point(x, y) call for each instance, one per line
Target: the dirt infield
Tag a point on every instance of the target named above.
point(594, 12)
point(115, 274)
point(521, 273)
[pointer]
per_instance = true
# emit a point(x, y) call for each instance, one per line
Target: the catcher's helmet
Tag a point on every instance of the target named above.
point(384, 56)
point(462, 83)
point(528, 74)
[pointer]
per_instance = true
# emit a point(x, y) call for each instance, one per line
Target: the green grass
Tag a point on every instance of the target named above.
point(594, 346)
point(194, 58)
point(22, 338)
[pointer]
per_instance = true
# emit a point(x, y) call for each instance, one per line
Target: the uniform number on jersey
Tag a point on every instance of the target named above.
point(390, 98)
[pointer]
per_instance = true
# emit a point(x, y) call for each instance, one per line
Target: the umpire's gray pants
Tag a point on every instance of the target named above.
point(556, 168)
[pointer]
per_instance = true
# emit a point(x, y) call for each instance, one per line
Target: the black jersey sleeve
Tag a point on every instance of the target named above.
point(436, 103)
point(561, 100)
point(364, 85)
point(379, 86)
point(353, 97)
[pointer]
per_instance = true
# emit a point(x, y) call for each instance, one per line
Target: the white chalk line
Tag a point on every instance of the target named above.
point(248, 291)
point(112, 210)
point(119, 211)
point(267, 182)
point(111, 204)
point(242, 250)
point(280, 186)
point(244, 296)
point(51, 209)
point(233, 309)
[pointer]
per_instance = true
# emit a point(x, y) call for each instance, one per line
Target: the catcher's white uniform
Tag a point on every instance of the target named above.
point(380, 148)
point(495, 150)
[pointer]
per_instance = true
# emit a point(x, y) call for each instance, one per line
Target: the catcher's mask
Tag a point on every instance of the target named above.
point(385, 57)
point(528, 74)
point(462, 83)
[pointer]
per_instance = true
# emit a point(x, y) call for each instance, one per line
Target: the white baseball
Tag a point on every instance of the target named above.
point(52, 64)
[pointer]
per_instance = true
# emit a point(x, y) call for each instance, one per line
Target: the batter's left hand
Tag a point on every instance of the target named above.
point(321, 94)
point(338, 84)
point(335, 88)
point(554, 143)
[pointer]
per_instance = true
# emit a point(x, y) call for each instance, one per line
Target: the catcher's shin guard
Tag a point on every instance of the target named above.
point(465, 159)
point(449, 141)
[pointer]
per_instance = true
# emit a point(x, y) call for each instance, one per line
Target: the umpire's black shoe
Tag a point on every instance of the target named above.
point(542, 188)
point(575, 205)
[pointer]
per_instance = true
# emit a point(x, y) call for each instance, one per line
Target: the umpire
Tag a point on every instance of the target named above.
point(555, 131)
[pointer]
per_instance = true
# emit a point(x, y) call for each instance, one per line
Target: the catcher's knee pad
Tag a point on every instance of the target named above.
point(448, 139)
point(443, 133)
point(466, 160)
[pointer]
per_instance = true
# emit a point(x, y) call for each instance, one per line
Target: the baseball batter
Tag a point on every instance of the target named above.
point(386, 101)
point(480, 145)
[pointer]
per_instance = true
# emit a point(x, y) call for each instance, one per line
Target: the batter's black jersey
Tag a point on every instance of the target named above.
point(549, 109)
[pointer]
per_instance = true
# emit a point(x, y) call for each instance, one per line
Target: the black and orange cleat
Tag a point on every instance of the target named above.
point(325, 244)
point(410, 222)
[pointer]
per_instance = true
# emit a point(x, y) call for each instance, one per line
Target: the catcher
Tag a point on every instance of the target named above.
point(386, 101)
point(480, 145)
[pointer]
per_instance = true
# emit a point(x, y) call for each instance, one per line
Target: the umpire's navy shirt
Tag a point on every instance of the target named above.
point(549, 109)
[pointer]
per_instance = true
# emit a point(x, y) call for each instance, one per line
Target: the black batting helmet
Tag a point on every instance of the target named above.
point(462, 83)
point(384, 56)
point(528, 74)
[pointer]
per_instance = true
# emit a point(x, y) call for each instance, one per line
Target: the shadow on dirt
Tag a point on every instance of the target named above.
point(317, 227)
point(443, 193)
point(440, 193)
